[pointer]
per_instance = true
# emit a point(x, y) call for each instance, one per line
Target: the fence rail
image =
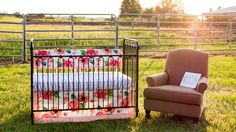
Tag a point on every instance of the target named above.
point(155, 32)
point(15, 44)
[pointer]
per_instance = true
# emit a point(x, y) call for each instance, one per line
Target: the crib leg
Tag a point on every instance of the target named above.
point(137, 110)
point(32, 118)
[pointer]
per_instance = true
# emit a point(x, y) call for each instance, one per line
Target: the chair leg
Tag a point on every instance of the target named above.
point(147, 114)
point(196, 120)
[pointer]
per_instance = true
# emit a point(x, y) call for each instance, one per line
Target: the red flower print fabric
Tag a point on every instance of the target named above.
point(74, 102)
point(93, 61)
point(68, 63)
point(124, 102)
point(47, 95)
point(107, 51)
point(74, 105)
point(84, 61)
point(114, 63)
point(91, 52)
point(109, 110)
point(101, 93)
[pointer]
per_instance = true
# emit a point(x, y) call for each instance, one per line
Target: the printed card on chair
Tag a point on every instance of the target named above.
point(190, 80)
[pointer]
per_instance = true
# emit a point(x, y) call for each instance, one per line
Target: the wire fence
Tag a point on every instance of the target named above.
point(155, 32)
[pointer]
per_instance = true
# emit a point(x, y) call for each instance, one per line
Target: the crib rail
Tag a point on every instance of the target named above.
point(77, 80)
point(131, 63)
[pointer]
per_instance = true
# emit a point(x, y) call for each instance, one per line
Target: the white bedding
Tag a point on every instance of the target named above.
point(82, 80)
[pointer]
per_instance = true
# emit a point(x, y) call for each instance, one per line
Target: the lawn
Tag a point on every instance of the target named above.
point(219, 115)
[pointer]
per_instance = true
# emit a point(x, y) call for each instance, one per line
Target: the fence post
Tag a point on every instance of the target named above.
point(117, 32)
point(72, 31)
point(230, 35)
point(158, 32)
point(209, 33)
point(195, 38)
point(24, 40)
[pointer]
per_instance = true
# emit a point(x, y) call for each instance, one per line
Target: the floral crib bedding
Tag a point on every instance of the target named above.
point(100, 94)
point(99, 104)
point(89, 58)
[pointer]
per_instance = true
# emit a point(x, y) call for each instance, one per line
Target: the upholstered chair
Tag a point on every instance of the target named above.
point(164, 93)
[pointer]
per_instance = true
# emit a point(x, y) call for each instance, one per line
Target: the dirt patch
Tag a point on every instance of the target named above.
point(10, 61)
point(161, 55)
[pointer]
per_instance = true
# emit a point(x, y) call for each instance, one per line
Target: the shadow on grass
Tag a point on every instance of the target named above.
point(22, 122)
point(158, 122)
point(170, 122)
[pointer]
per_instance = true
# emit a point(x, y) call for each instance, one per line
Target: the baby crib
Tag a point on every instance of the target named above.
point(80, 85)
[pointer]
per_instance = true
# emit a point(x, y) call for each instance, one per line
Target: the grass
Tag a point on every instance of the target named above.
point(219, 115)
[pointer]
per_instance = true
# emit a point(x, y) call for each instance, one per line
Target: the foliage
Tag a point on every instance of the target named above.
point(130, 6)
point(17, 14)
point(169, 6)
point(34, 16)
point(148, 10)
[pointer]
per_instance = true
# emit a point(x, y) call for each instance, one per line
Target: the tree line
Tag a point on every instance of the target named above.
point(163, 7)
point(133, 6)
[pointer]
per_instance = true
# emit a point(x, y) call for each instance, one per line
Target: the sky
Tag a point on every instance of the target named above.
point(100, 6)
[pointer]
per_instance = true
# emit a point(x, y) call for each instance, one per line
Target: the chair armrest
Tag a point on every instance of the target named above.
point(202, 84)
point(157, 79)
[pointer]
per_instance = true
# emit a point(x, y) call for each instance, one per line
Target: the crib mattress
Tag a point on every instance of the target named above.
point(82, 81)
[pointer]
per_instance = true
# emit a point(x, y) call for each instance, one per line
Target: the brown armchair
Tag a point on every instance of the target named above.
point(164, 93)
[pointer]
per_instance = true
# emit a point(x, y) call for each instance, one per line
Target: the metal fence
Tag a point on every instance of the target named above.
point(72, 30)
point(171, 31)
point(12, 36)
point(155, 32)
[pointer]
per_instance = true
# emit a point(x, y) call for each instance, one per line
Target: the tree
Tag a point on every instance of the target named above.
point(169, 6)
point(17, 14)
point(148, 11)
point(148, 17)
point(130, 6)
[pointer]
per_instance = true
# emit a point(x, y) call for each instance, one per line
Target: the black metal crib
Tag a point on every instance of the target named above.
point(89, 83)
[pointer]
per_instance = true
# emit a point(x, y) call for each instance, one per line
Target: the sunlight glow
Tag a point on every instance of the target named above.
point(100, 6)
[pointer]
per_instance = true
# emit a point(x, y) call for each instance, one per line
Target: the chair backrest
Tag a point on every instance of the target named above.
point(185, 60)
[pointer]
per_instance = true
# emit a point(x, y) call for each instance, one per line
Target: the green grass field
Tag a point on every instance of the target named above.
point(219, 115)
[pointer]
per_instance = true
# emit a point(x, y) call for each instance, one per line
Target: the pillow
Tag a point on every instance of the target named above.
point(190, 80)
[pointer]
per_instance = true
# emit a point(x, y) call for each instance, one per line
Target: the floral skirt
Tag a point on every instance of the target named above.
point(74, 106)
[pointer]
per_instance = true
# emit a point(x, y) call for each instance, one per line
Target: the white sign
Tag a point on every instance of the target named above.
point(190, 80)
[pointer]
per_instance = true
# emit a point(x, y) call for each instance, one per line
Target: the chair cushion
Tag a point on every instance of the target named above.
point(174, 93)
